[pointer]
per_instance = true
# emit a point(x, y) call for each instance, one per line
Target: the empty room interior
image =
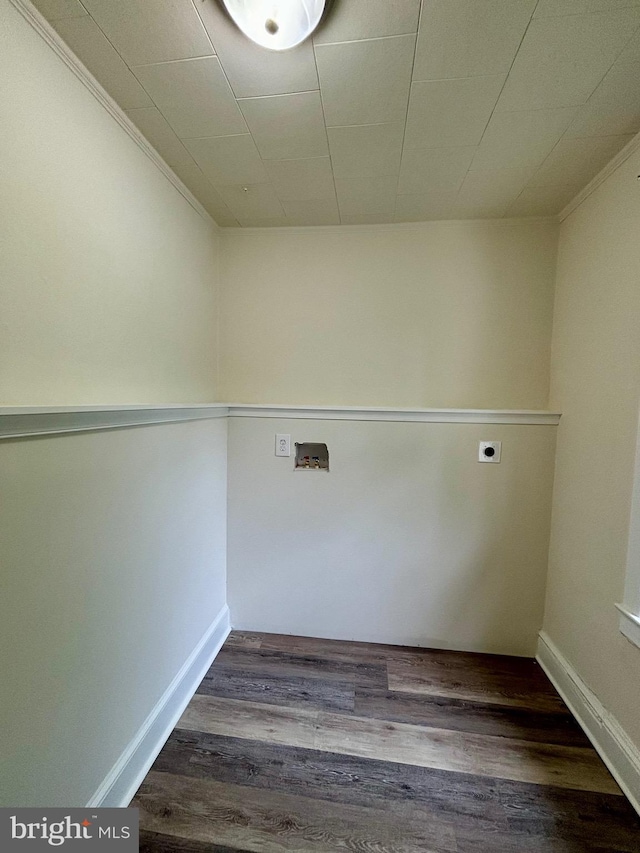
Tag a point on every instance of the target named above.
point(319, 422)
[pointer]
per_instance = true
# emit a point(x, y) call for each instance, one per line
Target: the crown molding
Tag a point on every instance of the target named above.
point(385, 226)
point(630, 148)
point(55, 42)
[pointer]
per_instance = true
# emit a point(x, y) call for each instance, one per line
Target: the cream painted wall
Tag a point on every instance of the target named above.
point(596, 385)
point(112, 544)
point(112, 548)
point(408, 539)
point(452, 314)
point(108, 276)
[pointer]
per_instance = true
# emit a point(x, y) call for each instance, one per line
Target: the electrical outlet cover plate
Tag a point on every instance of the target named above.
point(490, 451)
point(283, 444)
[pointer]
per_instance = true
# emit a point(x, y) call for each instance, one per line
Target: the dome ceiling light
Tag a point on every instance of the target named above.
point(276, 24)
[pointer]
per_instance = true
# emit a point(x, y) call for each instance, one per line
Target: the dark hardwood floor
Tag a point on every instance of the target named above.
point(298, 744)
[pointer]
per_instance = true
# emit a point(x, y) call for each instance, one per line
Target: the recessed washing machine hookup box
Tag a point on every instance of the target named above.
point(311, 456)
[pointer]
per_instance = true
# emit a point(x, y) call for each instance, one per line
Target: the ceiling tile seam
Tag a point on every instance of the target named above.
point(204, 29)
point(418, 192)
point(608, 169)
point(618, 55)
point(209, 184)
point(295, 159)
point(465, 77)
point(218, 136)
point(589, 14)
point(279, 95)
point(236, 99)
point(368, 124)
point(406, 115)
point(324, 120)
point(56, 20)
point(175, 61)
point(592, 97)
point(226, 184)
point(55, 42)
point(219, 60)
point(583, 104)
point(360, 41)
point(132, 67)
point(515, 55)
point(69, 17)
point(193, 162)
point(182, 139)
point(553, 184)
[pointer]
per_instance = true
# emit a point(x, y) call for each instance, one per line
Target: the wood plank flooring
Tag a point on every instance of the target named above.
point(306, 745)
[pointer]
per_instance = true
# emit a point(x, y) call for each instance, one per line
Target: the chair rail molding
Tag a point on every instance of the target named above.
point(377, 413)
point(26, 421)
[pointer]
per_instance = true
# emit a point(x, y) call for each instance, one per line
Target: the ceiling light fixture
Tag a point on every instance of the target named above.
point(276, 24)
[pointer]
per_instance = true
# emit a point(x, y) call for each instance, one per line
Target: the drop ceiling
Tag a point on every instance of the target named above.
point(395, 111)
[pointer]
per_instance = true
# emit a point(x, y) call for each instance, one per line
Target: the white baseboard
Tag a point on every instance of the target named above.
point(606, 734)
point(126, 775)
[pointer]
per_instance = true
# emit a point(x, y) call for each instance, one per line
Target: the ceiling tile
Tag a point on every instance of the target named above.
point(252, 70)
point(252, 202)
point(614, 107)
point(145, 31)
point(285, 127)
point(468, 38)
point(576, 161)
point(489, 193)
point(427, 170)
point(562, 60)
point(215, 206)
point(420, 207)
point(90, 45)
point(445, 113)
point(631, 53)
point(302, 180)
point(365, 82)
point(386, 184)
point(363, 19)
point(194, 97)
point(554, 8)
point(521, 139)
point(229, 159)
point(272, 222)
point(315, 212)
point(369, 205)
point(366, 218)
point(366, 150)
point(53, 10)
point(191, 176)
point(367, 195)
point(542, 201)
point(152, 124)
point(195, 180)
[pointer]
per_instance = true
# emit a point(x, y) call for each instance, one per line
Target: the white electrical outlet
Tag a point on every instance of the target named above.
point(283, 444)
point(490, 451)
